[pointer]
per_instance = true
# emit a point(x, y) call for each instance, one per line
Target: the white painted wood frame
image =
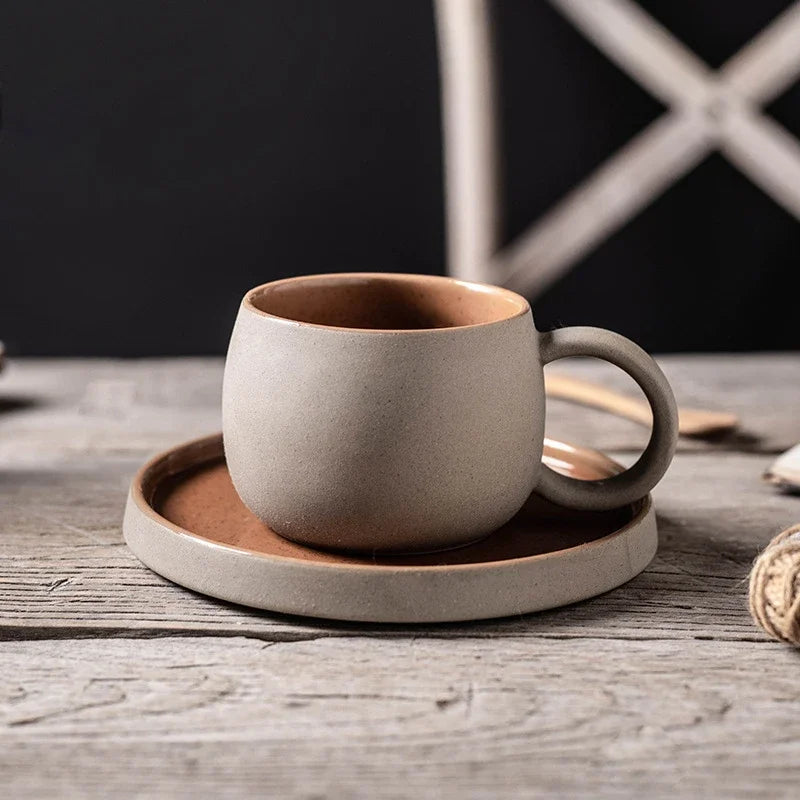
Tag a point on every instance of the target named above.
point(707, 110)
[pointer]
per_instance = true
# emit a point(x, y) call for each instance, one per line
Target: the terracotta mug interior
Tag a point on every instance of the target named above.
point(385, 302)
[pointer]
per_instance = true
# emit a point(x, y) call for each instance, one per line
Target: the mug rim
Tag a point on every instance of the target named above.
point(522, 305)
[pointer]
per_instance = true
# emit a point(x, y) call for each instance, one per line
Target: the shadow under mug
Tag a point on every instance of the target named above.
point(388, 412)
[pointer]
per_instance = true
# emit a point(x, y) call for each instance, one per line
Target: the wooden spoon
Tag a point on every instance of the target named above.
point(691, 421)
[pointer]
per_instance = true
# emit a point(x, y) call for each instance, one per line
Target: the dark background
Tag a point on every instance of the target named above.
point(159, 158)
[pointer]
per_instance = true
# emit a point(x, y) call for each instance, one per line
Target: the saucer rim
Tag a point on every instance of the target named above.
point(377, 593)
point(641, 509)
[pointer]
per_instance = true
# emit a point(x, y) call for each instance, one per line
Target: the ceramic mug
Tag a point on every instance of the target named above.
point(370, 411)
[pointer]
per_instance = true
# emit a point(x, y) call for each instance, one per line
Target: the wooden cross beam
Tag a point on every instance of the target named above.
point(708, 110)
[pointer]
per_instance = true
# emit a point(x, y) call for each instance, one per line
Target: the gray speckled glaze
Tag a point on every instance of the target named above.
point(410, 439)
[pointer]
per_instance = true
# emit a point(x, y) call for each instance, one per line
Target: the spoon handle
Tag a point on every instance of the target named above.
point(590, 394)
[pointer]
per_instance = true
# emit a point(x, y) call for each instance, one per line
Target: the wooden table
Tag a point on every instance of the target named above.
point(114, 682)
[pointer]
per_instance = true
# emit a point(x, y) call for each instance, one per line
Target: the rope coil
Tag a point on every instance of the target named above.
point(775, 587)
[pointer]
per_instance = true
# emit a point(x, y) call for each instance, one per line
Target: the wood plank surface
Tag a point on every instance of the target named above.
point(57, 410)
point(115, 682)
point(407, 717)
point(64, 564)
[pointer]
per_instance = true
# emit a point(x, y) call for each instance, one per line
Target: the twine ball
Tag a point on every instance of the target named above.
point(775, 587)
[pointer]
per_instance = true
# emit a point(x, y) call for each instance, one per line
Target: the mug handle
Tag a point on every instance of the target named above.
point(636, 482)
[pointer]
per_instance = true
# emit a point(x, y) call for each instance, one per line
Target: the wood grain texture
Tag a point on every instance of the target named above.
point(375, 718)
point(56, 411)
point(116, 682)
point(64, 569)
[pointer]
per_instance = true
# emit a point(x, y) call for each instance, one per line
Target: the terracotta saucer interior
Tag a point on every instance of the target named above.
point(185, 521)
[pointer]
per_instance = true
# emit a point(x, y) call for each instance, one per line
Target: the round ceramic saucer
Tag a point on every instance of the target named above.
point(185, 521)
